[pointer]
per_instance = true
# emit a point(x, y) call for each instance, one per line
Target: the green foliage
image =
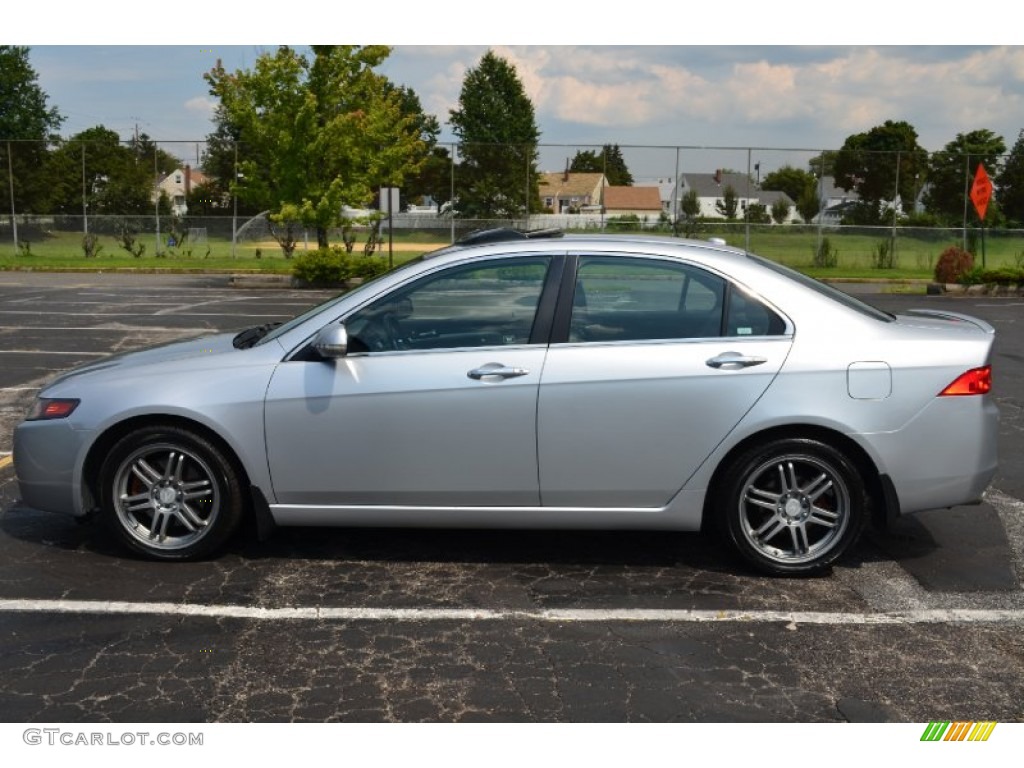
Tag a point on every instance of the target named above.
point(824, 255)
point(318, 134)
point(728, 205)
point(24, 248)
point(127, 240)
point(1004, 276)
point(91, 246)
point(627, 222)
point(758, 214)
point(872, 162)
point(951, 171)
point(498, 135)
point(883, 256)
point(780, 211)
point(808, 205)
point(333, 266)
point(688, 223)
point(953, 263)
point(608, 161)
point(1010, 184)
point(26, 123)
point(792, 181)
point(114, 179)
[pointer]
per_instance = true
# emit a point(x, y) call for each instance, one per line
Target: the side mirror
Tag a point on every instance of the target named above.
point(331, 341)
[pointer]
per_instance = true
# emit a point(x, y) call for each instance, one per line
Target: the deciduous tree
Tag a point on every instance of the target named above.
point(874, 163)
point(27, 123)
point(951, 171)
point(317, 133)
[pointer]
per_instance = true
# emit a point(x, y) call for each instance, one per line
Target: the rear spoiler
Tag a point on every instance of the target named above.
point(954, 316)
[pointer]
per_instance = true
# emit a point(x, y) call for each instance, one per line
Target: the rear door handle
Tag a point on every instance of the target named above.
point(733, 361)
point(497, 370)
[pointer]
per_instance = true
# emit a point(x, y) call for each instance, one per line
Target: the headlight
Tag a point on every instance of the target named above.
point(46, 408)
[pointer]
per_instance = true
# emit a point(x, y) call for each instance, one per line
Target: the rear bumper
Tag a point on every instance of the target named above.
point(946, 456)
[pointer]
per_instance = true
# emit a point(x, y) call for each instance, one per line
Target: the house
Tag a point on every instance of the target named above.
point(568, 192)
point(643, 202)
point(177, 185)
point(711, 187)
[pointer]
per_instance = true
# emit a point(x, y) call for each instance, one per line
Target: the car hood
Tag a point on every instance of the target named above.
point(201, 347)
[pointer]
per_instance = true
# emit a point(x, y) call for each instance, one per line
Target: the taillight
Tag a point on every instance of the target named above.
point(977, 381)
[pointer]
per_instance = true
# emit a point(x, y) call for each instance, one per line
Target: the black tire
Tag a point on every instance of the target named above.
point(170, 494)
point(791, 507)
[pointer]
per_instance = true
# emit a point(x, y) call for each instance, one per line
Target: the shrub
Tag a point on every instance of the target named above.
point(825, 255)
point(324, 266)
point(884, 255)
point(333, 266)
point(953, 263)
point(91, 245)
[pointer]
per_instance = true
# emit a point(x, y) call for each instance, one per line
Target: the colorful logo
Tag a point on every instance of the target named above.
point(961, 730)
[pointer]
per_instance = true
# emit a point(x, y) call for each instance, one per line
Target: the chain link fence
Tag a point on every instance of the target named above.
point(203, 200)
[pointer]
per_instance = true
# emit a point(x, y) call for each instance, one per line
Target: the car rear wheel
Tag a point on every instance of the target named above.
point(170, 494)
point(792, 507)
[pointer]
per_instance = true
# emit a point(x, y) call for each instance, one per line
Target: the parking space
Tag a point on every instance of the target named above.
point(921, 623)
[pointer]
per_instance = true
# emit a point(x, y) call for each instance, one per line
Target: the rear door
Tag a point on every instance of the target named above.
point(657, 361)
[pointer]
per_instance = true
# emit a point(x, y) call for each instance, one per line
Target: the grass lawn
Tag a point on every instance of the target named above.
point(916, 251)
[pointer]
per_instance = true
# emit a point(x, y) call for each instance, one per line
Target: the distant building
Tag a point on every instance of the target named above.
point(568, 192)
point(177, 185)
point(638, 201)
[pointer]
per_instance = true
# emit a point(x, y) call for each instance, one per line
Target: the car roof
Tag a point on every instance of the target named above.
point(505, 240)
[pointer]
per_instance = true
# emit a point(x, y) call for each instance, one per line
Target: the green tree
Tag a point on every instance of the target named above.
point(498, 136)
point(1010, 184)
point(27, 123)
point(96, 164)
point(729, 203)
point(688, 222)
point(792, 181)
point(823, 164)
point(809, 204)
point(608, 161)
point(874, 162)
point(318, 134)
point(780, 211)
point(951, 171)
point(434, 178)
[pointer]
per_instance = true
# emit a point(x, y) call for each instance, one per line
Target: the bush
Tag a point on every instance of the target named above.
point(324, 266)
point(825, 255)
point(333, 266)
point(884, 255)
point(953, 263)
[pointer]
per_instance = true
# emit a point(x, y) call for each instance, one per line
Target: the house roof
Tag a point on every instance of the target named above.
point(632, 199)
point(714, 184)
point(561, 184)
point(769, 196)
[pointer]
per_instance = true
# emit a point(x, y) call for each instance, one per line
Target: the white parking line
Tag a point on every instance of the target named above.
point(320, 613)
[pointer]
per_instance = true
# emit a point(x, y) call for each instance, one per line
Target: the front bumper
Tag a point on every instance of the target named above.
point(47, 460)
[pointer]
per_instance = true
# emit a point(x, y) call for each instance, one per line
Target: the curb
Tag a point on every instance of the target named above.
point(261, 281)
point(987, 289)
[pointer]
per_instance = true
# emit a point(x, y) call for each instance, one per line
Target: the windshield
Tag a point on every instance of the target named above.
point(300, 319)
point(826, 290)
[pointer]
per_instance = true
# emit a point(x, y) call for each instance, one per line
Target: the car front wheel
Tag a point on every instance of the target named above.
point(170, 494)
point(792, 507)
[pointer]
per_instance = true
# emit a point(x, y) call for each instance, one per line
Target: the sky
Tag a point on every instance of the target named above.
point(705, 81)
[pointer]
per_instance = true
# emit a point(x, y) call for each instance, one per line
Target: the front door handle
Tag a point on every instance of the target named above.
point(733, 361)
point(497, 370)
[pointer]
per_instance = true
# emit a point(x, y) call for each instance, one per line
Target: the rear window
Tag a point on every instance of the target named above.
point(825, 290)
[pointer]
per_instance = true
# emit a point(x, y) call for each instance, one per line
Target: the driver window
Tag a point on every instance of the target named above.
point(475, 305)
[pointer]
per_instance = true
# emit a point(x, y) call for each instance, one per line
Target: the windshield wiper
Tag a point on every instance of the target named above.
point(250, 336)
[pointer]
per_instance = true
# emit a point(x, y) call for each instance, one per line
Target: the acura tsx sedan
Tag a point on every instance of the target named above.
point(515, 381)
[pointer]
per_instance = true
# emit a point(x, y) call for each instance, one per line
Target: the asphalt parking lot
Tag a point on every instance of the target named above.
point(921, 623)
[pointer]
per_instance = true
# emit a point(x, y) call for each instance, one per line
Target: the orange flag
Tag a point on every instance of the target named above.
point(981, 191)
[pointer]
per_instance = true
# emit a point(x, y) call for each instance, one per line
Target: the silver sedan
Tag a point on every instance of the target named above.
point(535, 382)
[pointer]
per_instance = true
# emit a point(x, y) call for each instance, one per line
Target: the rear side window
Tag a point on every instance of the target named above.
point(748, 316)
point(631, 299)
